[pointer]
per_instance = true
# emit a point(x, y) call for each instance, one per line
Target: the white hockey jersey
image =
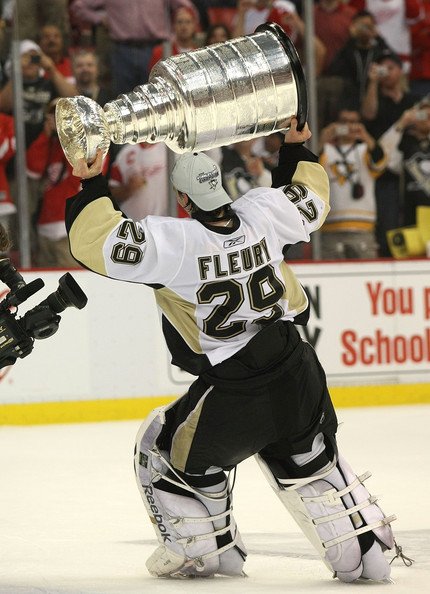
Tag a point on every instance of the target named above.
point(216, 286)
point(347, 166)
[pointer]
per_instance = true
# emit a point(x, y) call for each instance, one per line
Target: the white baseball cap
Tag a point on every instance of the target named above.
point(199, 176)
point(28, 45)
point(25, 46)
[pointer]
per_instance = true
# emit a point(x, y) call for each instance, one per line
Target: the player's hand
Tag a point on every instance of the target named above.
point(86, 170)
point(293, 135)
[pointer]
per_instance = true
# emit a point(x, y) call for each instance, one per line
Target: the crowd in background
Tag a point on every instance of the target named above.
point(372, 60)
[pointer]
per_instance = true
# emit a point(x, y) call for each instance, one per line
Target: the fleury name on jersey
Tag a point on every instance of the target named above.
point(231, 263)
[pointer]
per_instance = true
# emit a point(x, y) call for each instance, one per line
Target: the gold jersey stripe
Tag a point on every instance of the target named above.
point(182, 315)
point(314, 177)
point(294, 292)
point(89, 232)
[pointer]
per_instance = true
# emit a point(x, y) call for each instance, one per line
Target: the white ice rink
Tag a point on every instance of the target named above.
point(72, 522)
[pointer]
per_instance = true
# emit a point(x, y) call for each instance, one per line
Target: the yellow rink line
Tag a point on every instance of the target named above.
point(138, 408)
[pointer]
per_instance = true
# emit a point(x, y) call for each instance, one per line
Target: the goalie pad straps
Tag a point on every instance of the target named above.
point(191, 515)
point(340, 518)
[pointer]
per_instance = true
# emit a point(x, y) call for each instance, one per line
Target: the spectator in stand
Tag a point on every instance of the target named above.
point(408, 144)
point(46, 162)
point(139, 180)
point(332, 23)
point(242, 169)
point(386, 96)
point(86, 72)
point(384, 102)
point(86, 35)
point(7, 150)
point(352, 62)
point(38, 91)
point(217, 33)
point(34, 14)
point(52, 44)
point(135, 29)
point(393, 19)
point(419, 75)
point(352, 159)
point(251, 13)
point(184, 25)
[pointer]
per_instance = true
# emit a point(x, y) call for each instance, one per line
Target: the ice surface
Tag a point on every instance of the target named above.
point(72, 522)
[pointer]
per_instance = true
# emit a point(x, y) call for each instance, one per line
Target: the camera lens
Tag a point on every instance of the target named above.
point(68, 294)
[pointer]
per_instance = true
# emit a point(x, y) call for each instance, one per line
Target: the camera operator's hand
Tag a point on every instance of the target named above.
point(86, 170)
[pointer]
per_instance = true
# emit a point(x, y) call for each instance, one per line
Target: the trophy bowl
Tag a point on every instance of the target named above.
point(82, 128)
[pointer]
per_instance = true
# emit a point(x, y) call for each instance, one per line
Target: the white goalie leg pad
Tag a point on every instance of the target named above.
point(187, 520)
point(333, 509)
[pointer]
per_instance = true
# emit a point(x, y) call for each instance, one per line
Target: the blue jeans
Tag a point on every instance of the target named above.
point(130, 66)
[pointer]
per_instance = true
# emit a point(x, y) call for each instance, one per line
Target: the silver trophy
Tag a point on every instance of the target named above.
point(228, 92)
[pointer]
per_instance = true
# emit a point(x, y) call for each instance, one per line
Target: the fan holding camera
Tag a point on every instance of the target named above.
point(386, 99)
point(38, 91)
point(408, 144)
point(353, 160)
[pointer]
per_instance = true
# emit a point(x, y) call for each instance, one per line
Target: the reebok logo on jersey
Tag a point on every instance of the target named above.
point(235, 241)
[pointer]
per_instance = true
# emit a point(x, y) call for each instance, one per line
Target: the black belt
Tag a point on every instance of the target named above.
point(138, 42)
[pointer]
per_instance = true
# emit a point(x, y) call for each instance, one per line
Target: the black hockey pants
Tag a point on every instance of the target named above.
point(270, 398)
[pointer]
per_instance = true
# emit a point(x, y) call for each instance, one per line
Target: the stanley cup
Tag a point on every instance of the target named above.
point(214, 96)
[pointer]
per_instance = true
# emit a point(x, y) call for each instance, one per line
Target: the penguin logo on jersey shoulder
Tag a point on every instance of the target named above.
point(234, 241)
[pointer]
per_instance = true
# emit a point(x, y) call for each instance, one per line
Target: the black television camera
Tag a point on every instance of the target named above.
point(17, 335)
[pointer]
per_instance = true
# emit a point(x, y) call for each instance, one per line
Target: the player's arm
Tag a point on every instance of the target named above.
point(302, 179)
point(101, 237)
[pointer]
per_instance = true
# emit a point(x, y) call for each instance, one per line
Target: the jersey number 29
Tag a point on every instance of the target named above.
point(264, 291)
